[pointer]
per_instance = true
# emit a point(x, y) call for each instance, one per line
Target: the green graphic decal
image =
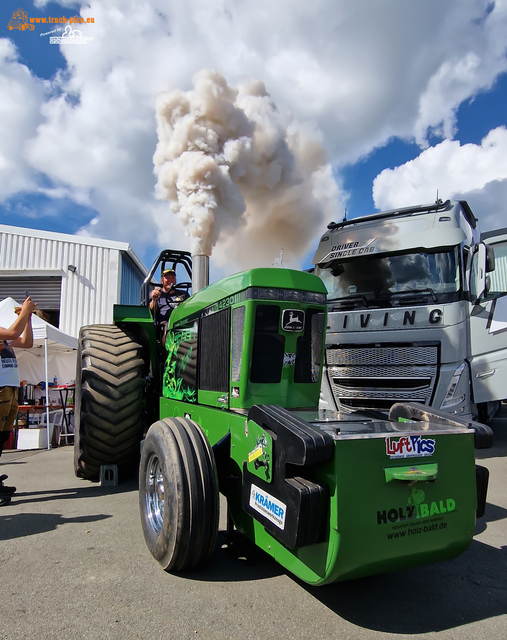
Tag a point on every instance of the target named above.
point(180, 370)
point(416, 498)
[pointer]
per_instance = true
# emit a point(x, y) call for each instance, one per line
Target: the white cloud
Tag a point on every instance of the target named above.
point(21, 96)
point(488, 205)
point(245, 182)
point(477, 173)
point(361, 72)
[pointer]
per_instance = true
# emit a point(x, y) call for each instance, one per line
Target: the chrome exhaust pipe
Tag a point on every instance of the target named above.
point(200, 272)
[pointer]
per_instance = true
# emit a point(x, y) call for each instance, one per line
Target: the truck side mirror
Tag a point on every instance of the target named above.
point(478, 287)
point(490, 258)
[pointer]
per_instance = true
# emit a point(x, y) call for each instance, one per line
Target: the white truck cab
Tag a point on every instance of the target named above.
point(410, 313)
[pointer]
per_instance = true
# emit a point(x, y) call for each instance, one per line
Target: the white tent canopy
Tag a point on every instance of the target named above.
point(53, 353)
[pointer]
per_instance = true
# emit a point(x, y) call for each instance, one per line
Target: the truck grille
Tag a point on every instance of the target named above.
point(377, 377)
point(384, 356)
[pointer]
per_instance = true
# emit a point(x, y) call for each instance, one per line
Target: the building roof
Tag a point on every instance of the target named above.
point(70, 238)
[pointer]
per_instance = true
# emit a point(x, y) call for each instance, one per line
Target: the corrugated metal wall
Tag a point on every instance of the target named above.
point(131, 281)
point(88, 295)
point(46, 289)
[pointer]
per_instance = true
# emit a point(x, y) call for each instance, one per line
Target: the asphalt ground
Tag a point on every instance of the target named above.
point(73, 564)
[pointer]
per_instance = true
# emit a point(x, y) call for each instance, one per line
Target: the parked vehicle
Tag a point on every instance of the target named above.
point(411, 316)
point(231, 405)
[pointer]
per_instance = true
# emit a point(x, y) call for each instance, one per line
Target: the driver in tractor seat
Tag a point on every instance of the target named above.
point(163, 301)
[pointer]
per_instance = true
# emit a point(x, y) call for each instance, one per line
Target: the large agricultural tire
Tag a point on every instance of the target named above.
point(178, 494)
point(109, 412)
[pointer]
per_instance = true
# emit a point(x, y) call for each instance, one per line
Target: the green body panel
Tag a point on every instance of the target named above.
point(259, 461)
point(217, 399)
point(222, 290)
point(140, 317)
point(244, 292)
point(130, 313)
point(216, 423)
point(414, 473)
point(385, 526)
point(383, 511)
point(181, 355)
point(377, 526)
point(377, 523)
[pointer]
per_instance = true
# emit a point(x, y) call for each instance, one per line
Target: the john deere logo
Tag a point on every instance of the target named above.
point(293, 320)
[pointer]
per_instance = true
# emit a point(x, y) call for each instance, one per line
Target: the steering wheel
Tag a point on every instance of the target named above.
point(181, 286)
point(184, 285)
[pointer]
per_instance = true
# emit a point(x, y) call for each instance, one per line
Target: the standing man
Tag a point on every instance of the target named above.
point(19, 334)
point(163, 301)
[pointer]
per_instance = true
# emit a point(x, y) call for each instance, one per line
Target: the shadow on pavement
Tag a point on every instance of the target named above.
point(20, 525)
point(430, 598)
point(425, 599)
point(13, 463)
point(237, 562)
point(499, 426)
point(493, 513)
point(89, 491)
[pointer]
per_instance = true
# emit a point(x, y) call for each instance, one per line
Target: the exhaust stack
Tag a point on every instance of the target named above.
point(200, 272)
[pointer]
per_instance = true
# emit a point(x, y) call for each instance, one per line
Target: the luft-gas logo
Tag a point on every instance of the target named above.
point(409, 447)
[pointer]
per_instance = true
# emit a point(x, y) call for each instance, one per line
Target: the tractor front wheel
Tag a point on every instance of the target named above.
point(178, 494)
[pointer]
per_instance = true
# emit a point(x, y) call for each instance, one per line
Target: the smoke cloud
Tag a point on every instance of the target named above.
point(242, 178)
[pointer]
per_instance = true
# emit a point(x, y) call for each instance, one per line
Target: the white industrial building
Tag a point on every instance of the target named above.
point(75, 280)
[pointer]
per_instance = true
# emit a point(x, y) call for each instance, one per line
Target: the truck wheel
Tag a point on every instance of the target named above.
point(109, 412)
point(482, 412)
point(487, 410)
point(178, 494)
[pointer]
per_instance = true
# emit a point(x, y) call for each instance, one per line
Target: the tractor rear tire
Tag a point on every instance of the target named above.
point(109, 412)
point(178, 494)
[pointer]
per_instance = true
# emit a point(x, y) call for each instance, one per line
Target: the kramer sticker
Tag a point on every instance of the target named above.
point(409, 447)
point(268, 506)
point(293, 320)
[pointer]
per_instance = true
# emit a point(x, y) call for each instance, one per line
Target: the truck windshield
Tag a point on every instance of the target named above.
point(389, 280)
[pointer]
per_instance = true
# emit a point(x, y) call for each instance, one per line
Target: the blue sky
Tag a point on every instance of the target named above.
point(365, 106)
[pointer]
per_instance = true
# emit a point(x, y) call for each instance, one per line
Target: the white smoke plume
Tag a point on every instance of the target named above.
point(239, 177)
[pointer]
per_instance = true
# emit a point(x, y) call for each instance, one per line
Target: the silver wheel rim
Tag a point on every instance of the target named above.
point(155, 493)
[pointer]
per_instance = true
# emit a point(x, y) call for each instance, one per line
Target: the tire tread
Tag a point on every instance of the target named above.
point(189, 535)
point(109, 400)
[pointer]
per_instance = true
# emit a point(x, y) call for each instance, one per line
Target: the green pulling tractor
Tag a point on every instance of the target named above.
point(230, 405)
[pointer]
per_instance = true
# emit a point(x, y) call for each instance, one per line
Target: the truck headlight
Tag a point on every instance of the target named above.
point(450, 399)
